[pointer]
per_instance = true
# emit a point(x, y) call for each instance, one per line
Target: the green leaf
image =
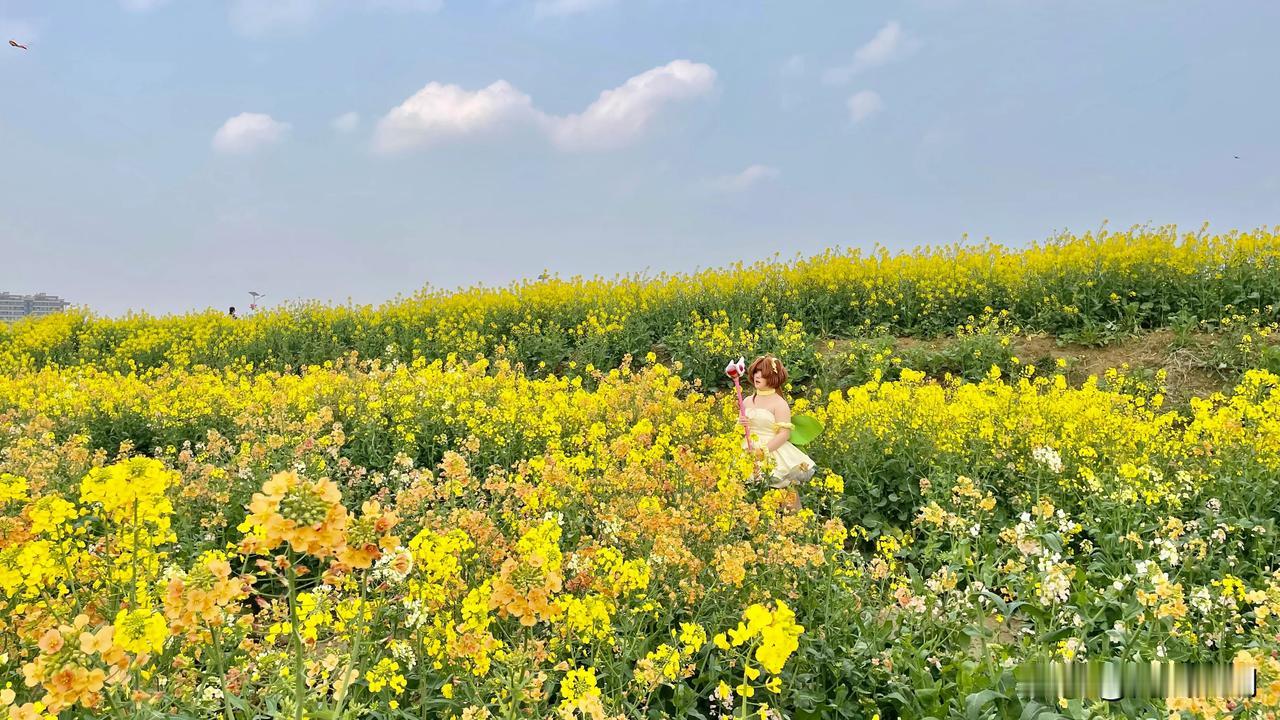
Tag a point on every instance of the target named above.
point(237, 702)
point(1033, 710)
point(806, 429)
point(998, 601)
point(1056, 635)
point(684, 698)
point(974, 703)
point(897, 695)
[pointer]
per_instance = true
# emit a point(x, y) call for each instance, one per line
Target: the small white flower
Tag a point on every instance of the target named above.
point(1049, 458)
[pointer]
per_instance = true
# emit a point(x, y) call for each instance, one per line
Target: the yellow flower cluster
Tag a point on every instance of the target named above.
point(671, 662)
point(579, 691)
point(437, 567)
point(774, 634)
point(140, 631)
point(386, 674)
point(12, 489)
point(616, 576)
point(584, 619)
point(132, 492)
point(527, 583)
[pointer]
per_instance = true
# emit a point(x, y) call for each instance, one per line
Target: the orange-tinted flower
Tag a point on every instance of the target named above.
point(306, 514)
point(51, 641)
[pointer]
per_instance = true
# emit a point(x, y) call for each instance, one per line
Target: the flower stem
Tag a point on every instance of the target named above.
point(355, 652)
point(222, 669)
point(299, 670)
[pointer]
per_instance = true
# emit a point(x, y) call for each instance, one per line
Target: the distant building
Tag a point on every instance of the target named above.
point(15, 307)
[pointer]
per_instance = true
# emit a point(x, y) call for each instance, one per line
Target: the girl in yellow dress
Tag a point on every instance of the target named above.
point(768, 419)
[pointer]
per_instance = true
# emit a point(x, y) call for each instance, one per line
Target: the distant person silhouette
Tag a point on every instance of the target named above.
point(232, 312)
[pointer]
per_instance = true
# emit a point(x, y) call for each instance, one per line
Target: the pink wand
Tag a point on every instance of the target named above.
point(735, 370)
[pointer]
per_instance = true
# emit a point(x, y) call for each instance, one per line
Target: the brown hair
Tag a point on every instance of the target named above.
point(771, 368)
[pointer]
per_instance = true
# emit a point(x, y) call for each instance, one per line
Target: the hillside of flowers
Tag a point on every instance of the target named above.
point(277, 516)
point(1082, 286)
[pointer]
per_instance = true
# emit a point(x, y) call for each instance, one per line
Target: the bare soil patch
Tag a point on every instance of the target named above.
point(1186, 375)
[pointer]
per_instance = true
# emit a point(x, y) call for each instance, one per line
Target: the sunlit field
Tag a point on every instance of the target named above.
point(533, 501)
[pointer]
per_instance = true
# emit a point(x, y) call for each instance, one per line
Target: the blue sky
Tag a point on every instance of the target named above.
point(171, 155)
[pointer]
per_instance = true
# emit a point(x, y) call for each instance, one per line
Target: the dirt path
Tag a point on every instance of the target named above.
point(1186, 372)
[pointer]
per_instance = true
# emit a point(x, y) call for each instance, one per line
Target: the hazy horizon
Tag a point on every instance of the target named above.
point(243, 307)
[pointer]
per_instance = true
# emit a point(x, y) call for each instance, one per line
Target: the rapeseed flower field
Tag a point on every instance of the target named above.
point(535, 503)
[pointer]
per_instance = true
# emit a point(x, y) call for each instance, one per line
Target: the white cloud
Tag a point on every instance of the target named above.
point(619, 115)
point(888, 44)
point(346, 122)
point(141, 5)
point(439, 112)
point(793, 67)
point(864, 104)
point(881, 48)
point(248, 132)
point(557, 8)
point(745, 179)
